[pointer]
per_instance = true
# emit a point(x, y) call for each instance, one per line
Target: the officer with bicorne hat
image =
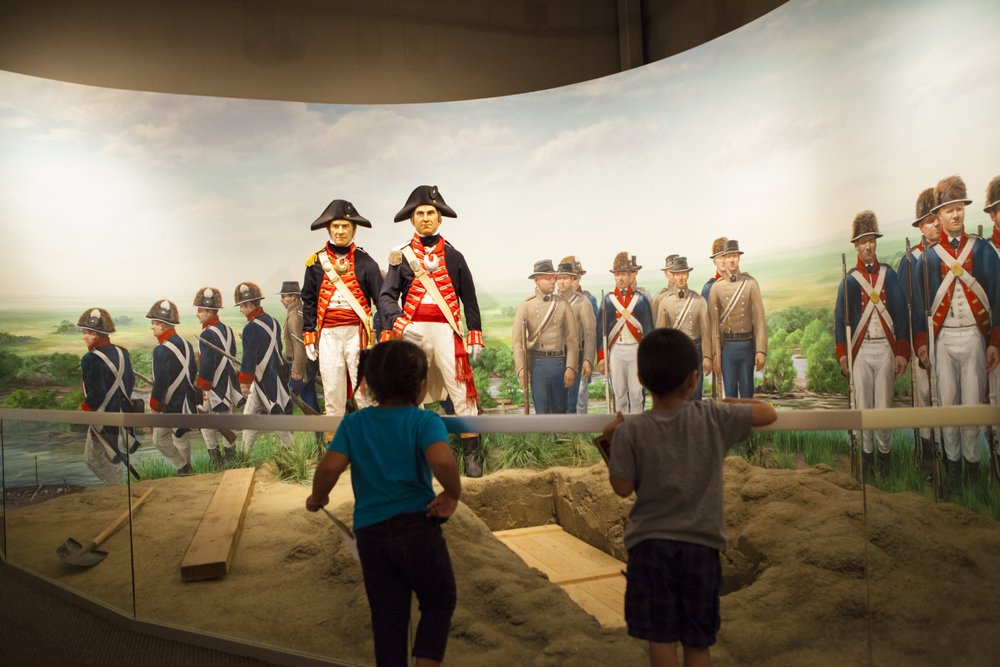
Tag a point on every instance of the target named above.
point(880, 331)
point(108, 382)
point(963, 277)
point(427, 286)
point(216, 377)
point(340, 294)
point(260, 376)
point(546, 330)
point(174, 369)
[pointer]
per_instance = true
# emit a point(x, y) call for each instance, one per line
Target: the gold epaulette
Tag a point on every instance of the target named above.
point(312, 260)
point(395, 257)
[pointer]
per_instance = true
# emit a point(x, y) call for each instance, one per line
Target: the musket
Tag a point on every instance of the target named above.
point(852, 403)
point(991, 433)
point(607, 356)
point(931, 370)
point(910, 262)
point(142, 377)
point(302, 405)
point(112, 453)
point(527, 365)
point(229, 435)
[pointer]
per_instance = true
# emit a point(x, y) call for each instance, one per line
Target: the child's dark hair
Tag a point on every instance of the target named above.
point(393, 371)
point(667, 357)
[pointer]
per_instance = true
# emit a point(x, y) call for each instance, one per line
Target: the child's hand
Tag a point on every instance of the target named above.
point(442, 507)
point(610, 427)
point(314, 504)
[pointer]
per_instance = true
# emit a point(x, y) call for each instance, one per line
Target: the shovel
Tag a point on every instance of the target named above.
point(73, 553)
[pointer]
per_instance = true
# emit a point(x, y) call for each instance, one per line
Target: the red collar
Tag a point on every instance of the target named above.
point(255, 313)
point(863, 269)
point(169, 333)
point(996, 236)
point(717, 276)
point(102, 341)
point(626, 296)
point(214, 319)
point(946, 242)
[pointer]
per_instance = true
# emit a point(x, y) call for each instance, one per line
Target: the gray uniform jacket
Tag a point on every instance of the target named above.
point(695, 322)
point(561, 332)
point(586, 322)
point(746, 316)
point(293, 325)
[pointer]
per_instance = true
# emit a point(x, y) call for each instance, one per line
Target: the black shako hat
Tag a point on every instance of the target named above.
point(425, 195)
point(340, 209)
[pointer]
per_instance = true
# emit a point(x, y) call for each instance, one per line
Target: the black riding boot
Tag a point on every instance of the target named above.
point(952, 478)
point(882, 463)
point(470, 452)
point(868, 467)
point(216, 457)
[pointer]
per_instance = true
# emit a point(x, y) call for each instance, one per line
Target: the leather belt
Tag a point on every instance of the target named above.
point(738, 336)
point(548, 353)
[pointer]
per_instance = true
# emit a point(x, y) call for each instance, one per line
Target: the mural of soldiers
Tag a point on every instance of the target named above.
point(108, 382)
point(718, 245)
point(930, 233)
point(174, 371)
point(586, 323)
point(216, 377)
point(260, 379)
point(963, 288)
point(686, 310)
point(339, 296)
point(582, 399)
point(671, 288)
point(624, 317)
point(427, 286)
point(736, 316)
point(880, 331)
point(301, 369)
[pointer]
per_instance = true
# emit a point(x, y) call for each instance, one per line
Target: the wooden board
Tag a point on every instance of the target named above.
point(591, 578)
point(214, 543)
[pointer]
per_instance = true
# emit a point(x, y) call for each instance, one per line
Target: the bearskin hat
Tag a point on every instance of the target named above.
point(340, 209)
point(425, 195)
point(731, 246)
point(624, 263)
point(247, 292)
point(164, 311)
point(948, 191)
point(865, 224)
point(992, 194)
point(97, 320)
point(208, 297)
point(925, 202)
point(718, 245)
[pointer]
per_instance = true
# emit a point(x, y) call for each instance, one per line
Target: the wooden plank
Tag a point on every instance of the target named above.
point(604, 599)
point(530, 530)
point(214, 543)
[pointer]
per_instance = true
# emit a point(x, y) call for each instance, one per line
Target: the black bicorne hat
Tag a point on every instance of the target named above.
point(340, 209)
point(425, 195)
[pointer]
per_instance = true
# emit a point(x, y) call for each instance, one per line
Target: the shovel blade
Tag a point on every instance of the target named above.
point(73, 553)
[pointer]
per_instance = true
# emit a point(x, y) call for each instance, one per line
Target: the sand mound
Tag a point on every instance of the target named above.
point(795, 588)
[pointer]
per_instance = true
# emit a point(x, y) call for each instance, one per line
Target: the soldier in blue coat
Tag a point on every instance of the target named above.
point(962, 344)
point(880, 333)
point(174, 370)
point(216, 376)
point(108, 382)
point(260, 380)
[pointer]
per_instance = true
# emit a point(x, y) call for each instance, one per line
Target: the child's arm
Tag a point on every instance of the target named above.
point(623, 487)
point(327, 473)
point(761, 413)
point(445, 469)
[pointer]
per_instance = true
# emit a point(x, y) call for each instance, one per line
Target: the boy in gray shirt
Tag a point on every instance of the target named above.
point(671, 457)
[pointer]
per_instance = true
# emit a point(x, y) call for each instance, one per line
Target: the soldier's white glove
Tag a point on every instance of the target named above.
point(474, 351)
point(311, 352)
point(411, 335)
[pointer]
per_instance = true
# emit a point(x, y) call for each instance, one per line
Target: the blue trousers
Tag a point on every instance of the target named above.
point(547, 390)
point(737, 368)
point(573, 393)
point(701, 377)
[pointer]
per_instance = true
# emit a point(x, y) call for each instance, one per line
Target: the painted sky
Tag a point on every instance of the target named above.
point(776, 134)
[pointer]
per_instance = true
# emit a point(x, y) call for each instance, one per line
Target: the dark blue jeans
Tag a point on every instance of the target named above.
point(400, 556)
point(737, 368)
point(547, 390)
point(573, 393)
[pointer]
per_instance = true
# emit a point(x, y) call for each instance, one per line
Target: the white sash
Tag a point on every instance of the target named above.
point(874, 303)
point(272, 347)
point(957, 271)
point(230, 397)
point(184, 358)
point(345, 292)
point(684, 311)
point(119, 382)
point(431, 288)
point(545, 321)
point(626, 316)
point(732, 302)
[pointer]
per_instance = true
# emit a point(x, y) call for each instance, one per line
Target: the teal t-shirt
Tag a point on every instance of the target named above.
point(389, 473)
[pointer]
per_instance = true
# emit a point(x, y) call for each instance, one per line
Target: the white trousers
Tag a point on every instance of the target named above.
point(254, 406)
point(211, 436)
point(97, 460)
point(625, 378)
point(175, 449)
point(960, 363)
point(874, 376)
point(339, 351)
point(922, 392)
point(438, 343)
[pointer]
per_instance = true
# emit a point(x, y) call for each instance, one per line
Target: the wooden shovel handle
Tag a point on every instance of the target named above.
point(106, 533)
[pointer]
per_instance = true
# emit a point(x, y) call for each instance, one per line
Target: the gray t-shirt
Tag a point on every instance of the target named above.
point(675, 459)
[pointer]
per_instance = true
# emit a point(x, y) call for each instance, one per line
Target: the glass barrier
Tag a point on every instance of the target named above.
point(230, 550)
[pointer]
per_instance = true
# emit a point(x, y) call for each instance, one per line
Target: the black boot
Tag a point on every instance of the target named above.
point(470, 452)
point(228, 456)
point(974, 478)
point(952, 478)
point(184, 470)
point(927, 455)
point(868, 467)
point(882, 464)
point(216, 457)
